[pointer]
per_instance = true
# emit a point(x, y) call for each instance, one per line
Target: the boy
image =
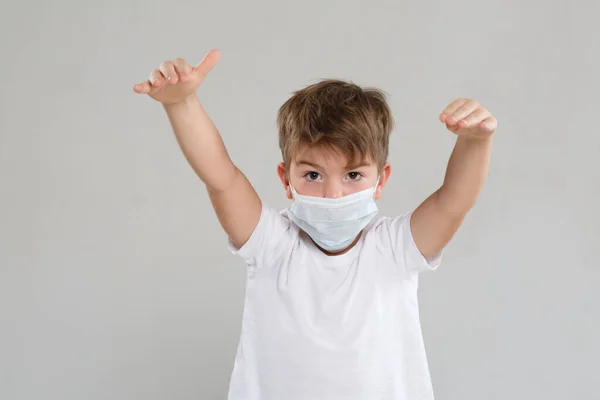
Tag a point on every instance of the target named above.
point(331, 305)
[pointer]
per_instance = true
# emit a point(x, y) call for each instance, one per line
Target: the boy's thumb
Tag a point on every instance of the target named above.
point(208, 62)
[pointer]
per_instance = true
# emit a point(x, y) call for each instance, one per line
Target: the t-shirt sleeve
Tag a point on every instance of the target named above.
point(404, 249)
point(271, 233)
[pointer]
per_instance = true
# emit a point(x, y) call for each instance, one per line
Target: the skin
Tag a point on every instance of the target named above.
point(322, 172)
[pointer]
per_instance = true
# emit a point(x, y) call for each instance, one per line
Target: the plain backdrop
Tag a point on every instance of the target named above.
point(115, 279)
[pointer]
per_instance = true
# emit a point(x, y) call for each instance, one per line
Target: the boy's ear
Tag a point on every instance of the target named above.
point(285, 180)
point(386, 171)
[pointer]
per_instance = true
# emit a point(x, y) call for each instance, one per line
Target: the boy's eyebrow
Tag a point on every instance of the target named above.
point(358, 165)
point(348, 166)
point(308, 163)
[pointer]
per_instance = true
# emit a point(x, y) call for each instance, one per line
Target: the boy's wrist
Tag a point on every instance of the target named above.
point(475, 139)
point(189, 100)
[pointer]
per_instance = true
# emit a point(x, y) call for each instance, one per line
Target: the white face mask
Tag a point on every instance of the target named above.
point(333, 223)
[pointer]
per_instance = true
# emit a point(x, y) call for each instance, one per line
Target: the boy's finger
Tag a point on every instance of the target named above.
point(168, 70)
point(475, 117)
point(490, 123)
point(463, 111)
point(207, 63)
point(182, 68)
point(156, 78)
point(142, 88)
point(452, 107)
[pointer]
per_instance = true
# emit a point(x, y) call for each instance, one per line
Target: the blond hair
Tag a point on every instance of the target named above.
point(342, 115)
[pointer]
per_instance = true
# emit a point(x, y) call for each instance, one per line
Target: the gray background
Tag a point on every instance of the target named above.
point(115, 280)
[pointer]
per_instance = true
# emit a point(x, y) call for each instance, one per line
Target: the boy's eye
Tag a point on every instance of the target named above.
point(312, 176)
point(354, 176)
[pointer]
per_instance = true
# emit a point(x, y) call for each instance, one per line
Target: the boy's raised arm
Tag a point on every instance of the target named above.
point(436, 220)
point(235, 201)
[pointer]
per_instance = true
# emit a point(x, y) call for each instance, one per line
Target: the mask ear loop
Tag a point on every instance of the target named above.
point(376, 184)
point(290, 187)
point(292, 190)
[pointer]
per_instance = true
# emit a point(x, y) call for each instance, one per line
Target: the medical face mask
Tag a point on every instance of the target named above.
point(333, 223)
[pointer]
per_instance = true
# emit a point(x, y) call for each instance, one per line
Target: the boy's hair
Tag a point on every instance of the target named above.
point(341, 115)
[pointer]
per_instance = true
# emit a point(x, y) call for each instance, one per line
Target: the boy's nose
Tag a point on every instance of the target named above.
point(333, 192)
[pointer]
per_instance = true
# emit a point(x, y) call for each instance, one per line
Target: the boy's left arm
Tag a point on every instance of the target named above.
point(437, 219)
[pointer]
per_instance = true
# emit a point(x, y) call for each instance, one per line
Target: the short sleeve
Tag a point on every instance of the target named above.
point(404, 249)
point(271, 235)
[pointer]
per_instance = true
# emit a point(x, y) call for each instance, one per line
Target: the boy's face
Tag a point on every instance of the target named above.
point(325, 172)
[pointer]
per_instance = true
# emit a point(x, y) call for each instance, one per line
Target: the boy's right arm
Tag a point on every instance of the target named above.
point(235, 201)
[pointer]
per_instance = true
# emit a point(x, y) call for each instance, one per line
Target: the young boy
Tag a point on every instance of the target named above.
point(331, 305)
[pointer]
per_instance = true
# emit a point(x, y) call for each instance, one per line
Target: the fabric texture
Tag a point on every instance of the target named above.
point(319, 327)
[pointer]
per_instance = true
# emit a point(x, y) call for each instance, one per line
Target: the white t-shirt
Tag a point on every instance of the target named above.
point(320, 327)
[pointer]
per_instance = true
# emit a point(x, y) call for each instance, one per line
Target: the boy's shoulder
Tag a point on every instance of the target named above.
point(393, 234)
point(385, 224)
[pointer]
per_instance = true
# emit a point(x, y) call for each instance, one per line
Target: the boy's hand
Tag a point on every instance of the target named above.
point(466, 117)
point(174, 81)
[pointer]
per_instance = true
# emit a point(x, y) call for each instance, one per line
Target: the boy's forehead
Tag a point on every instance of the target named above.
point(327, 157)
